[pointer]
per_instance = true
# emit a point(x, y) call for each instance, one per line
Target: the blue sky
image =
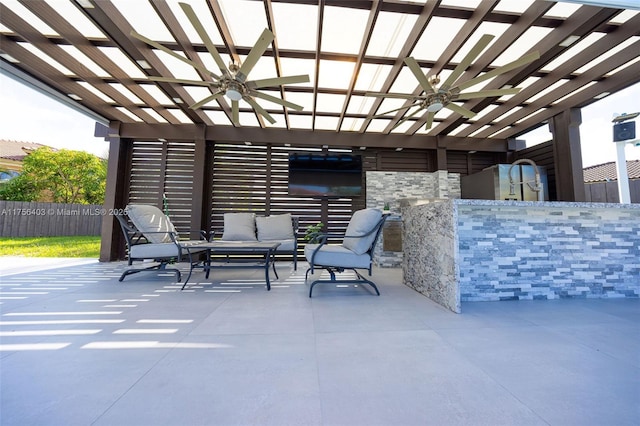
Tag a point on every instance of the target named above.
point(28, 116)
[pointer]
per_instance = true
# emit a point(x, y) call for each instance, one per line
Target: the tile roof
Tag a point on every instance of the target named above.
point(16, 150)
point(607, 171)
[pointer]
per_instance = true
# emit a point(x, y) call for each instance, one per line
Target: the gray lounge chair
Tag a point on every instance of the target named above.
point(150, 235)
point(355, 252)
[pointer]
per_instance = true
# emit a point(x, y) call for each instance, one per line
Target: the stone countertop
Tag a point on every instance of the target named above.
point(508, 203)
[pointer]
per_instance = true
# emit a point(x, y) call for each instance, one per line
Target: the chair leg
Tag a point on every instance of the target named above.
point(332, 273)
point(161, 267)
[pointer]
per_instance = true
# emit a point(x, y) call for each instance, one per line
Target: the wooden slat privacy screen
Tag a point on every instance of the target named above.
point(254, 178)
point(164, 168)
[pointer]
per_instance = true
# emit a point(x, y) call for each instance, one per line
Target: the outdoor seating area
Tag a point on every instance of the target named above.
point(79, 347)
point(150, 235)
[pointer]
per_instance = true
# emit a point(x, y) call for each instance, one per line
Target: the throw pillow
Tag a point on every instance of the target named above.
point(239, 227)
point(273, 228)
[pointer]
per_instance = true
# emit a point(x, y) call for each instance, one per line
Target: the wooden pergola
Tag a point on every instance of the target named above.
point(83, 53)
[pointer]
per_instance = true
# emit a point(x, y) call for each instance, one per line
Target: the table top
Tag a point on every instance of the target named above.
point(236, 246)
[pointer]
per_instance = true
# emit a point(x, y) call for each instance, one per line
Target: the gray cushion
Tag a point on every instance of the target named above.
point(151, 222)
point(274, 228)
point(239, 227)
point(361, 222)
point(164, 250)
point(153, 251)
point(336, 255)
point(286, 245)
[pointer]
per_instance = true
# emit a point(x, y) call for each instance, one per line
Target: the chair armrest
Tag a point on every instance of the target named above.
point(172, 235)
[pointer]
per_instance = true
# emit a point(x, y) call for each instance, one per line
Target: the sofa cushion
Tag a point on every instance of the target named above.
point(239, 227)
point(150, 220)
point(274, 228)
point(361, 222)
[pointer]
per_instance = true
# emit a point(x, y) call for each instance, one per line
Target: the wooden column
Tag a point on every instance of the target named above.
point(567, 154)
point(112, 241)
point(199, 184)
point(441, 152)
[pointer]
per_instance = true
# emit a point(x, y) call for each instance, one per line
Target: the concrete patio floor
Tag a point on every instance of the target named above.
point(81, 348)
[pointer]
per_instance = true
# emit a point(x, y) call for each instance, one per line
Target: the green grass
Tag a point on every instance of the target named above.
point(51, 246)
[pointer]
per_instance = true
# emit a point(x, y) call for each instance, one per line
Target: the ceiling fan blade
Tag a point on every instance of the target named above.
point(206, 100)
point(235, 113)
point(172, 53)
point(466, 61)
point(501, 70)
point(393, 95)
point(256, 52)
point(394, 110)
point(487, 93)
point(462, 111)
point(193, 18)
point(429, 122)
point(407, 117)
point(181, 81)
point(276, 100)
point(278, 81)
point(259, 109)
point(417, 71)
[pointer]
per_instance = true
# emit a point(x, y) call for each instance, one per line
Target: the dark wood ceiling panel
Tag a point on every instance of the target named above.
point(565, 70)
point(620, 80)
point(417, 30)
point(581, 23)
point(109, 18)
point(76, 39)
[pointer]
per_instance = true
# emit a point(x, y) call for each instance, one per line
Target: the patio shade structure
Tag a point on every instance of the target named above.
point(83, 52)
point(92, 55)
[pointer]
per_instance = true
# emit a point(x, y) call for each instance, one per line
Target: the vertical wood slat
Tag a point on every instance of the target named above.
point(159, 168)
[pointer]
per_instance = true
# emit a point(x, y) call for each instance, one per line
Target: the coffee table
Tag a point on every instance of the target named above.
point(236, 255)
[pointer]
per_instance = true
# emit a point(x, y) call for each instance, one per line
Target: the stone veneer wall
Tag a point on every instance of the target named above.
point(391, 187)
point(480, 250)
point(548, 251)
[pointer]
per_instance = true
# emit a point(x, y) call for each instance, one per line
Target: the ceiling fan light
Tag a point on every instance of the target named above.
point(435, 106)
point(233, 94)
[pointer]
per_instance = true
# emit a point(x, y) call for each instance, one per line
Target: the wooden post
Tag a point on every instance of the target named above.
point(567, 154)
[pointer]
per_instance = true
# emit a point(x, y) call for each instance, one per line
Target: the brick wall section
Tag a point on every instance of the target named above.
point(548, 252)
point(483, 250)
point(392, 187)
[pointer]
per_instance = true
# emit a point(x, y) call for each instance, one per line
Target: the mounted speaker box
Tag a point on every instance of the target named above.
point(624, 131)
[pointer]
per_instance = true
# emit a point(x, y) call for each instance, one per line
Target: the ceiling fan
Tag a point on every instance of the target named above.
point(232, 82)
point(437, 97)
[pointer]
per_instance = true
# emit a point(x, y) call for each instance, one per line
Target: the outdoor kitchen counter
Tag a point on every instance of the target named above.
point(482, 250)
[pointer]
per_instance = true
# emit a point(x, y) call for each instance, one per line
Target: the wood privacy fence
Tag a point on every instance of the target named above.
point(30, 219)
point(607, 192)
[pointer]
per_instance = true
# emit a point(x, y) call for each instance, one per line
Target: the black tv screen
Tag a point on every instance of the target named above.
point(325, 175)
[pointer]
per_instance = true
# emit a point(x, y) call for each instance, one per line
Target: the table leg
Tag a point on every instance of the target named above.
point(207, 264)
point(273, 262)
point(190, 268)
point(266, 272)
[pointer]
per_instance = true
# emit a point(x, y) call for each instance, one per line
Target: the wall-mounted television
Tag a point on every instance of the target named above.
point(325, 175)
